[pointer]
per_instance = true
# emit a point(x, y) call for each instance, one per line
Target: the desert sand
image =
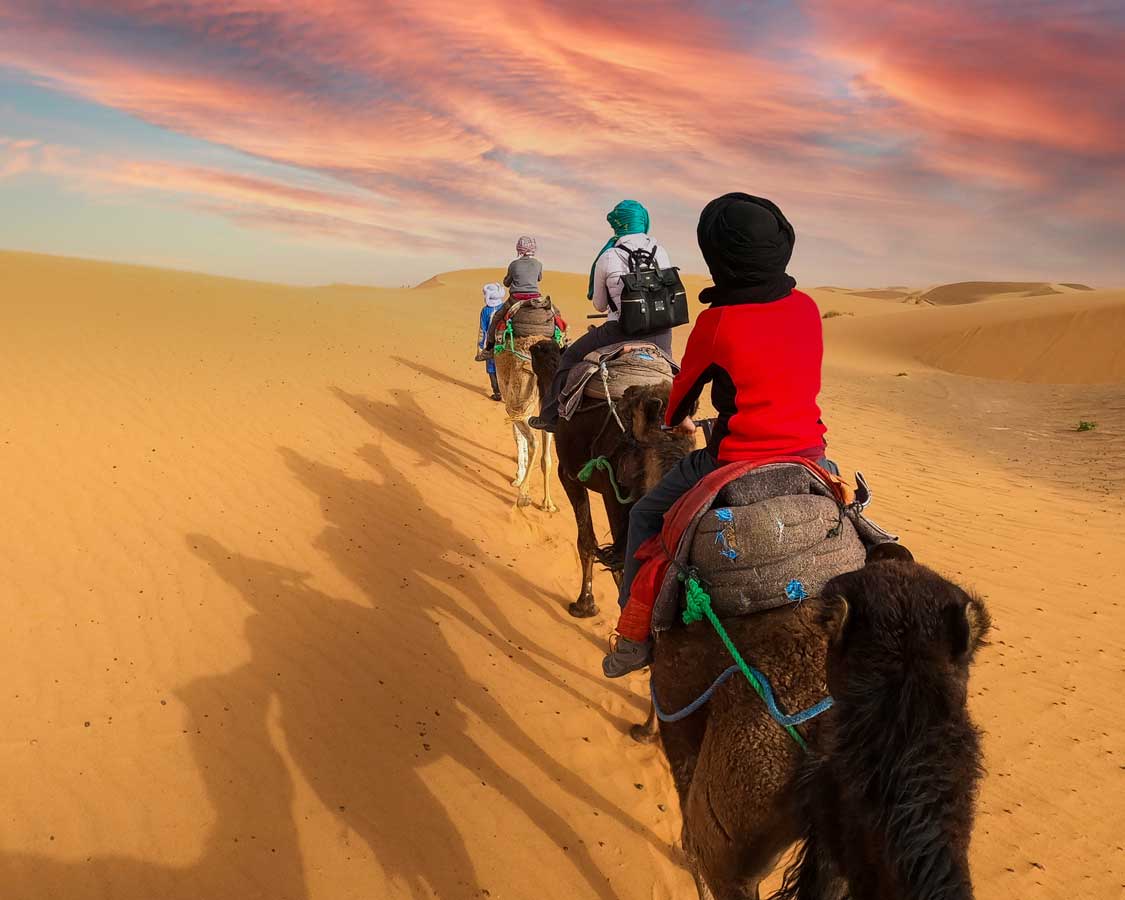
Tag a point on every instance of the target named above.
point(275, 629)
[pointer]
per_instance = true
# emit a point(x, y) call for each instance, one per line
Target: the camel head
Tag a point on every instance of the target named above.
point(648, 452)
point(545, 357)
point(894, 613)
point(898, 751)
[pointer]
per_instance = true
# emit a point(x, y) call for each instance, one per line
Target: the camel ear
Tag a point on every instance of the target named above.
point(647, 416)
point(967, 626)
point(834, 618)
point(889, 550)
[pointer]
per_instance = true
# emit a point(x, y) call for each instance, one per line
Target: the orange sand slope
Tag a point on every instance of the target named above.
point(1076, 338)
point(275, 629)
point(975, 291)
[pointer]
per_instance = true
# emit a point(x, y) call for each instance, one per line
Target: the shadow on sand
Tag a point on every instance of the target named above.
point(423, 369)
point(364, 699)
point(405, 422)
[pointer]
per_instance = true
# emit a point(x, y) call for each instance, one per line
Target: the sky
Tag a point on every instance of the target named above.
point(324, 141)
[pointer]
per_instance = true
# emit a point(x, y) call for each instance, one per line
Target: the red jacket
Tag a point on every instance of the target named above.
point(763, 359)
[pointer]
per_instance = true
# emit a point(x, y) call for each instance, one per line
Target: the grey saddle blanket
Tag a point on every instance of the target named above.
point(534, 318)
point(617, 367)
point(775, 535)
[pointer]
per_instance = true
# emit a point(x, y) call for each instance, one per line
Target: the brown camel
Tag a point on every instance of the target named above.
point(638, 451)
point(520, 391)
point(882, 805)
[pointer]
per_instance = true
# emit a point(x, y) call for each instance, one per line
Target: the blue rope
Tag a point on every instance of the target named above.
point(785, 721)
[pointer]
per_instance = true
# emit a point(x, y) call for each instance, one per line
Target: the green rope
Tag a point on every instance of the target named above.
point(698, 606)
point(600, 462)
point(507, 340)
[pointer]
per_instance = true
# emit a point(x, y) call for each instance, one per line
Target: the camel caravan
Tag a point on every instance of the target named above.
point(808, 677)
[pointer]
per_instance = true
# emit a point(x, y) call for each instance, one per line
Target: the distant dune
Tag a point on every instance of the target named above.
point(881, 294)
point(974, 291)
point(1045, 338)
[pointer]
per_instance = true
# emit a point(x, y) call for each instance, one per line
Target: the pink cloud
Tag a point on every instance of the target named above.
point(24, 155)
point(442, 124)
point(449, 89)
point(1050, 77)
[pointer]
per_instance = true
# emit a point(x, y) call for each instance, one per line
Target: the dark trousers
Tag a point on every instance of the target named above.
point(493, 381)
point(646, 518)
point(647, 515)
point(605, 334)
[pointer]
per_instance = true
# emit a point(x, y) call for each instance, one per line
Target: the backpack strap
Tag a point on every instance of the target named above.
point(637, 259)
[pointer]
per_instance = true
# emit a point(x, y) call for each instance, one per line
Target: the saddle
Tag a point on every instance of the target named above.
point(606, 373)
point(762, 535)
point(531, 316)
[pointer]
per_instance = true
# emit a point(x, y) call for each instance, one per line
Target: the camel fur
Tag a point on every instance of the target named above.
point(640, 455)
point(520, 392)
point(882, 805)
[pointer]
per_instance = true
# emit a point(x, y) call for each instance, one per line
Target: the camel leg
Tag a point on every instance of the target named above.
point(725, 889)
point(535, 442)
point(524, 450)
point(722, 885)
point(548, 466)
point(735, 824)
point(618, 518)
point(701, 885)
point(584, 606)
point(646, 732)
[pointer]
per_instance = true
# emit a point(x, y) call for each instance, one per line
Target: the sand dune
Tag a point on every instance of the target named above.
point(975, 291)
point(275, 629)
point(882, 294)
point(1074, 339)
point(836, 302)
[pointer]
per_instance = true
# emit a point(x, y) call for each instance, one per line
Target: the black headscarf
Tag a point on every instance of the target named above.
point(747, 243)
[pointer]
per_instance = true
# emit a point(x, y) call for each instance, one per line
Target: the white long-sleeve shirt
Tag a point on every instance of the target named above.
point(614, 263)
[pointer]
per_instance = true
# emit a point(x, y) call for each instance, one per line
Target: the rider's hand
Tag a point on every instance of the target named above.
point(687, 426)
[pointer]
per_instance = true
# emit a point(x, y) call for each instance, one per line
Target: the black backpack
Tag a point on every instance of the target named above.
point(652, 298)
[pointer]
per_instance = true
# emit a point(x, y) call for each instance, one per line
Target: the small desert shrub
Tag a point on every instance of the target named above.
point(832, 314)
point(1086, 425)
point(902, 374)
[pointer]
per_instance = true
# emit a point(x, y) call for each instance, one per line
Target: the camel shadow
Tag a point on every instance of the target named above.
point(407, 423)
point(423, 369)
point(363, 697)
point(432, 564)
point(252, 849)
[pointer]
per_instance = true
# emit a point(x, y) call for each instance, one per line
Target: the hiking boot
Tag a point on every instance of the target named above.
point(627, 656)
point(542, 424)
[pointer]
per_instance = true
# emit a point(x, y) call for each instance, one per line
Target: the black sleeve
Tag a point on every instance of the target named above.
point(689, 400)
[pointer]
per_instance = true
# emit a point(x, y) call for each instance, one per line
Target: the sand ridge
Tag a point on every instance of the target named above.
point(276, 630)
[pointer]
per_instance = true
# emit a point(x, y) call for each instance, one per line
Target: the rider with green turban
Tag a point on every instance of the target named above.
point(630, 223)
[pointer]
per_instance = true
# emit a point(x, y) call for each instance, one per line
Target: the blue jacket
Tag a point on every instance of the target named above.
point(486, 314)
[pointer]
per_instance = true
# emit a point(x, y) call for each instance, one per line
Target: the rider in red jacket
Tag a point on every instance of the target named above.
point(762, 358)
point(760, 346)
